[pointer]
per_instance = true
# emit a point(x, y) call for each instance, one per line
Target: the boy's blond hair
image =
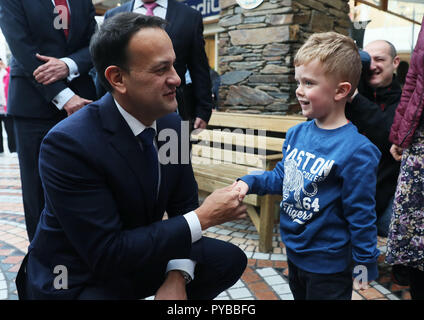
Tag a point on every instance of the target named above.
point(338, 54)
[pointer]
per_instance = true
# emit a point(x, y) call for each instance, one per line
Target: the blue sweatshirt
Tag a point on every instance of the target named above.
point(327, 215)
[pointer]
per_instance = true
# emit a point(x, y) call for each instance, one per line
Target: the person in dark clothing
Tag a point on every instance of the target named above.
point(402, 71)
point(372, 111)
point(216, 82)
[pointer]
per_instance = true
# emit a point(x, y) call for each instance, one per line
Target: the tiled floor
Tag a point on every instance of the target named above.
point(265, 277)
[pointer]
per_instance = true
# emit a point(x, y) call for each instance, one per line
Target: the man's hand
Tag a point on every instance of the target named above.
point(174, 287)
point(242, 188)
point(221, 206)
point(200, 124)
point(396, 152)
point(75, 103)
point(51, 71)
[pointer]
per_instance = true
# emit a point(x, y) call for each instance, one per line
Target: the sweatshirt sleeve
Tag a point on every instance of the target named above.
point(267, 182)
point(358, 197)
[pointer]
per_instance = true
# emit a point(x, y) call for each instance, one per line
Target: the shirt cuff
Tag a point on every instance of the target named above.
point(73, 68)
point(62, 98)
point(186, 265)
point(194, 225)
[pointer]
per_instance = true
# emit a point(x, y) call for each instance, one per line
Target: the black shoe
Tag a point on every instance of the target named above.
point(400, 275)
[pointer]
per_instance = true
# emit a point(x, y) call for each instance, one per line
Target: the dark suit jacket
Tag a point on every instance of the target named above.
point(28, 26)
point(185, 28)
point(98, 221)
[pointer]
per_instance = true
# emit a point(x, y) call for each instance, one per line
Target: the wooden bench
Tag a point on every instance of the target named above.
point(234, 145)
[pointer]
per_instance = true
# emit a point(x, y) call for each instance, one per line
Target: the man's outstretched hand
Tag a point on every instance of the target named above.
point(221, 206)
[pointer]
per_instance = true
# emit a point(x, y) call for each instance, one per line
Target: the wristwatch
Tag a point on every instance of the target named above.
point(186, 276)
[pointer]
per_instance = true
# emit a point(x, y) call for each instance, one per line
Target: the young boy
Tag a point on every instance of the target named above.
point(327, 177)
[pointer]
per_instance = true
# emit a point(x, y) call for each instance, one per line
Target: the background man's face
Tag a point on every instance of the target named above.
point(382, 64)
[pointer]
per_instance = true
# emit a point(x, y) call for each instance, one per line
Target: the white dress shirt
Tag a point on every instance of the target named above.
point(186, 265)
point(63, 96)
point(159, 11)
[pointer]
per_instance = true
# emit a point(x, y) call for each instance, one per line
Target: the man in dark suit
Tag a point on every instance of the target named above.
point(48, 78)
point(102, 233)
point(185, 28)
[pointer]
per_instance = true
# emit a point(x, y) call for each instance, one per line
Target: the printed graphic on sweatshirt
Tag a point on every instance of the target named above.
point(300, 167)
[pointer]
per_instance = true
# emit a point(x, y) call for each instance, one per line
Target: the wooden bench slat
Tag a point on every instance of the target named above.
point(224, 172)
point(237, 169)
point(239, 139)
point(255, 121)
point(207, 155)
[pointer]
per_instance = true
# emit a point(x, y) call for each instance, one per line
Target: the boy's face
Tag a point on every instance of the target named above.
point(315, 90)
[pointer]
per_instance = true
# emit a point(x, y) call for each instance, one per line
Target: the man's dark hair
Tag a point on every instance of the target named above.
point(109, 44)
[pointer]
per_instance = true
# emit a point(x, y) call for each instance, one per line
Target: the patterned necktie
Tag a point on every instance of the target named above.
point(146, 137)
point(150, 6)
point(68, 14)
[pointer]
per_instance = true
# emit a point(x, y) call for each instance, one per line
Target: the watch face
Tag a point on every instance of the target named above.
point(186, 276)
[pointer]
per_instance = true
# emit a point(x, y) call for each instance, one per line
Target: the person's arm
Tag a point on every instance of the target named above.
point(359, 178)
point(265, 182)
point(171, 288)
point(198, 67)
point(55, 69)
point(72, 66)
point(18, 35)
point(78, 194)
point(396, 137)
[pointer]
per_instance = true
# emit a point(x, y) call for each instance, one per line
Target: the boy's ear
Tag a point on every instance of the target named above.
point(342, 91)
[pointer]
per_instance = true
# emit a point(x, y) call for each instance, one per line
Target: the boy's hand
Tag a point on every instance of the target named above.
point(221, 206)
point(242, 188)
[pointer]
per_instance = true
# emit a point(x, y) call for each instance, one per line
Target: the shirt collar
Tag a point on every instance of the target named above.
point(161, 3)
point(136, 126)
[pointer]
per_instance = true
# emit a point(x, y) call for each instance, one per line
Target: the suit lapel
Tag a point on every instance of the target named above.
point(49, 5)
point(171, 15)
point(126, 144)
point(74, 19)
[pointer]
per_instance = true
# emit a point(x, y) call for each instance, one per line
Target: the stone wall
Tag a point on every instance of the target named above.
point(257, 48)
